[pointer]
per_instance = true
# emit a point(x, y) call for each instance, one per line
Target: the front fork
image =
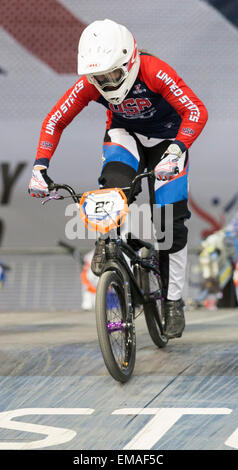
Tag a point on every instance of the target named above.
point(113, 264)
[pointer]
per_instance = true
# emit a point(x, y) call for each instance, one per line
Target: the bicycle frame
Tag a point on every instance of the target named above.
point(131, 283)
point(138, 292)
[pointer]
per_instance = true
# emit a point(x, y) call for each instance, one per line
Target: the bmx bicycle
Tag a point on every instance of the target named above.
point(129, 281)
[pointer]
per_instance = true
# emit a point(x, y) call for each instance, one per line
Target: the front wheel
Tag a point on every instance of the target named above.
point(115, 330)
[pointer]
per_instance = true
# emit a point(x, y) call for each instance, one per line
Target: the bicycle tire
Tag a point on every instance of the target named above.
point(120, 368)
point(153, 311)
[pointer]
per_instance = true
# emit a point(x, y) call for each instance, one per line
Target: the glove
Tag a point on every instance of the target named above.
point(168, 167)
point(40, 183)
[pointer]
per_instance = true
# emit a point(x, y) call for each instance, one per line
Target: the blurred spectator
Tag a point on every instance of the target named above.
point(2, 274)
point(89, 283)
point(219, 264)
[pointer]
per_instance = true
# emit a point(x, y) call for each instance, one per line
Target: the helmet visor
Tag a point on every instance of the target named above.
point(110, 80)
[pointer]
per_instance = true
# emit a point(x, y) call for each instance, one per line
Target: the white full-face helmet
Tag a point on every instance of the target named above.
point(108, 56)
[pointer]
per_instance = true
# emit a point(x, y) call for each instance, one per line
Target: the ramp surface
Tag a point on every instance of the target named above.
point(56, 393)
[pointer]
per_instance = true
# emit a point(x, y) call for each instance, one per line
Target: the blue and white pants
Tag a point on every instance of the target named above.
point(126, 154)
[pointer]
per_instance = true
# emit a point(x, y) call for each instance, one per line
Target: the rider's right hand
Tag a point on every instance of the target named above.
point(40, 183)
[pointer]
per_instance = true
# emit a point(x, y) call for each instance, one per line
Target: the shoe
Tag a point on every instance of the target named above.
point(99, 258)
point(174, 318)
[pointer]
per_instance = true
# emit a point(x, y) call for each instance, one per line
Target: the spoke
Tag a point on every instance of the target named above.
point(117, 336)
point(139, 313)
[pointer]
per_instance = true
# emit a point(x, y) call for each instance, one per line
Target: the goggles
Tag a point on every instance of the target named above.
point(111, 79)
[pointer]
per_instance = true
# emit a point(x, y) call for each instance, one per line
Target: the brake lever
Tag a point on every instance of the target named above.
point(54, 196)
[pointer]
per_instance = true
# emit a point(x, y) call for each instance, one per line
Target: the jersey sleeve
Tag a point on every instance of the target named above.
point(65, 110)
point(163, 79)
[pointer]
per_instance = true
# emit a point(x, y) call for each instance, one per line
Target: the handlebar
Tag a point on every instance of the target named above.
point(131, 188)
point(77, 196)
point(66, 187)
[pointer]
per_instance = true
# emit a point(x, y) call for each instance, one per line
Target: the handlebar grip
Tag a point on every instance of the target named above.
point(51, 186)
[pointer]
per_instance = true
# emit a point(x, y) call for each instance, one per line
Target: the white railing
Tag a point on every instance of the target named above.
point(40, 280)
point(48, 279)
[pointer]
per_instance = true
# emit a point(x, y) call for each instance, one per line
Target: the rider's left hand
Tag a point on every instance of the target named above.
point(168, 167)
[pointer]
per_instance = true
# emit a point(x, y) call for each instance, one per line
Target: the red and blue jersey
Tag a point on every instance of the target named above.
point(159, 105)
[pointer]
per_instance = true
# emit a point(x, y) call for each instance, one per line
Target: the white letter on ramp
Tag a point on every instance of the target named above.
point(163, 420)
point(54, 436)
point(232, 441)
